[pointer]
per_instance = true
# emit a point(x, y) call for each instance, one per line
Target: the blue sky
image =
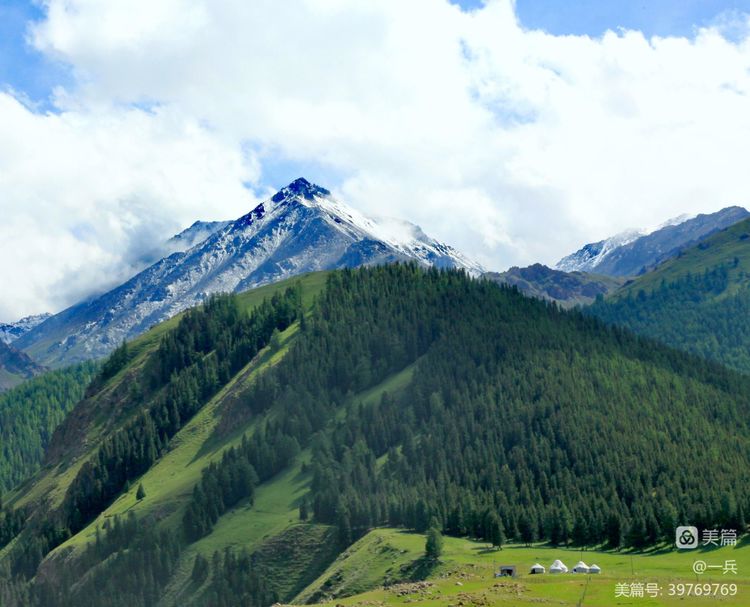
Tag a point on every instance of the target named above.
point(593, 17)
point(21, 67)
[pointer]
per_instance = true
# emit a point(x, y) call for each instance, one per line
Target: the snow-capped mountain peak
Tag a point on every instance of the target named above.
point(673, 221)
point(302, 228)
point(588, 257)
point(300, 188)
point(404, 237)
point(635, 251)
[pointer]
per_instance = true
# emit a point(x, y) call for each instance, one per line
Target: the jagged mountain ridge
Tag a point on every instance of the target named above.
point(633, 253)
point(11, 331)
point(590, 255)
point(302, 228)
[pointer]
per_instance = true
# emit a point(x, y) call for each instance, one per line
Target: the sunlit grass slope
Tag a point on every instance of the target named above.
point(465, 575)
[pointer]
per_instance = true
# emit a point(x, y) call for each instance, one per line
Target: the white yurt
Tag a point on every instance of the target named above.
point(558, 567)
point(581, 567)
point(536, 569)
point(595, 569)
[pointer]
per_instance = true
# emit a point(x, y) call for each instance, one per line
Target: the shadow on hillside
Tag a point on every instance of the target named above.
point(663, 549)
point(418, 570)
point(233, 418)
point(487, 550)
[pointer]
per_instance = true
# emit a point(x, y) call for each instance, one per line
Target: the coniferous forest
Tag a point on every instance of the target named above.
point(29, 415)
point(703, 313)
point(518, 422)
point(516, 408)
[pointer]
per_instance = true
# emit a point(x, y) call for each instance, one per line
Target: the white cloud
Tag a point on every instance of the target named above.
point(514, 145)
point(85, 194)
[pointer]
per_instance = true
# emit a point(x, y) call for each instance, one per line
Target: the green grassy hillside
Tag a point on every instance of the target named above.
point(98, 416)
point(169, 482)
point(376, 571)
point(698, 301)
point(9, 380)
point(240, 453)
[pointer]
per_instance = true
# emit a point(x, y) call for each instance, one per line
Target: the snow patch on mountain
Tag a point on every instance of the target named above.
point(300, 229)
point(674, 221)
point(9, 332)
point(636, 251)
point(591, 255)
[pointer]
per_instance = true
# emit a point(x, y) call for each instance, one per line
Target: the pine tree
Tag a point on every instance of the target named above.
point(200, 569)
point(433, 544)
point(140, 493)
point(275, 343)
point(344, 524)
point(614, 531)
point(580, 534)
point(637, 532)
point(495, 531)
point(528, 526)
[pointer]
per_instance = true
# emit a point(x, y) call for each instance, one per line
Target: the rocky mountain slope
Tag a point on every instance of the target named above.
point(300, 229)
point(633, 253)
point(192, 236)
point(568, 289)
point(11, 331)
point(15, 366)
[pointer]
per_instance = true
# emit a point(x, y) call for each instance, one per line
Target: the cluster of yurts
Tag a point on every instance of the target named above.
point(559, 567)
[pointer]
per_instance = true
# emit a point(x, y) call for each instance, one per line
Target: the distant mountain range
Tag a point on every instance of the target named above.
point(301, 229)
point(633, 253)
point(16, 366)
point(601, 268)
